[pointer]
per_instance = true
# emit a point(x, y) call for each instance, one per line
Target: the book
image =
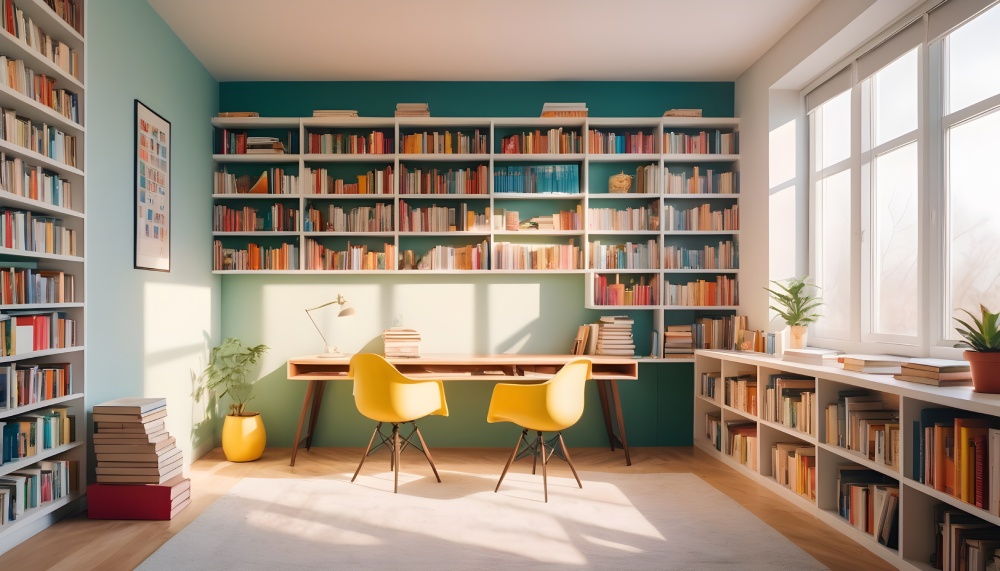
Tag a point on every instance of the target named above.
point(145, 447)
point(682, 113)
point(937, 365)
point(140, 479)
point(882, 364)
point(142, 418)
point(812, 356)
point(130, 405)
point(142, 501)
point(934, 381)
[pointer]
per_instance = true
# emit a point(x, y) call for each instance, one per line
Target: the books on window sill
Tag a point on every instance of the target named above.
point(936, 372)
point(879, 364)
point(401, 342)
point(812, 356)
point(564, 110)
point(682, 113)
point(412, 110)
point(335, 113)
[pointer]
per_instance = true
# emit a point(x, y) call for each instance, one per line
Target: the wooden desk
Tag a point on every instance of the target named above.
point(607, 371)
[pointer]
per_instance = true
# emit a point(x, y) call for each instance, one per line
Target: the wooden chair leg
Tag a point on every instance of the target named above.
point(545, 479)
point(367, 450)
point(511, 459)
point(426, 451)
point(565, 452)
point(395, 457)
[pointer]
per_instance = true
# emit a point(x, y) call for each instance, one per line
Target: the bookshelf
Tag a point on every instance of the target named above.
point(378, 195)
point(42, 261)
point(732, 423)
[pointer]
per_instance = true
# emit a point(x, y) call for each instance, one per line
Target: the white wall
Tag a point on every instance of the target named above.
point(148, 333)
point(773, 163)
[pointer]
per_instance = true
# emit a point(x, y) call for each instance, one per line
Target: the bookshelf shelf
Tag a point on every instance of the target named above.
point(396, 170)
point(63, 200)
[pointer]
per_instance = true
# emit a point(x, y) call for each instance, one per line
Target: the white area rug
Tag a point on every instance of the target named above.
point(617, 521)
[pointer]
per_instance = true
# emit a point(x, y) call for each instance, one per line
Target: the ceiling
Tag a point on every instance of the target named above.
point(480, 40)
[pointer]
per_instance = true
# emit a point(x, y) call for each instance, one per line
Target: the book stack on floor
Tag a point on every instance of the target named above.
point(937, 372)
point(879, 364)
point(401, 342)
point(614, 336)
point(140, 469)
point(412, 110)
point(564, 110)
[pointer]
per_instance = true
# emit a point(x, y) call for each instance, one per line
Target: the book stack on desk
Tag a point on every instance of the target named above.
point(615, 336)
point(401, 342)
point(137, 459)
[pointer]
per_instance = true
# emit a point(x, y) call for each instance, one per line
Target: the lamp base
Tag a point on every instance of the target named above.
point(331, 353)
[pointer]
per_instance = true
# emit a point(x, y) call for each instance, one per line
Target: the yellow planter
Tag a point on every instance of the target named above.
point(243, 438)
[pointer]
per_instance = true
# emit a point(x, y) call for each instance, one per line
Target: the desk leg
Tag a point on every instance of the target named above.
point(302, 417)
point(621, 421)
point(602, 391)
point(317, 400)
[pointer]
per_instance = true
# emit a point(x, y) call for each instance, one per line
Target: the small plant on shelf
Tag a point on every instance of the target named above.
point(982, 337)
point(797, 303)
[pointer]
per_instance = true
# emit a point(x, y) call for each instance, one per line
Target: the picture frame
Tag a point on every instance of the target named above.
point(152, 190)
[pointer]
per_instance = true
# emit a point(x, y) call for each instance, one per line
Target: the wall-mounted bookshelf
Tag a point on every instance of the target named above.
point(42, 259)
point(491, 195)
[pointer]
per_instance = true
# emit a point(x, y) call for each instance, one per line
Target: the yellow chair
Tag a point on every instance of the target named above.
point(385, 395)
point(551, 406)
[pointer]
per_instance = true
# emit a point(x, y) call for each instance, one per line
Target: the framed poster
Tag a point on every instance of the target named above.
point(152, 190)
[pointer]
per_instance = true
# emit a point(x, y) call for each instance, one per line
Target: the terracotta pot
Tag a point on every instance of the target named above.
point(985, 371)
point(798, 336)
point(243, 437)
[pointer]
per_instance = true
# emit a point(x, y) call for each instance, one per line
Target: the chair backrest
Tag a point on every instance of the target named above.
point(564, 394)
point(384, 394)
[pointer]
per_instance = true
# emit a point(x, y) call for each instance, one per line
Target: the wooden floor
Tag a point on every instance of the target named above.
point(78, 543)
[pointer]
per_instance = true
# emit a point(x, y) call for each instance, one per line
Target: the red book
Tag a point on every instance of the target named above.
point(138, 501)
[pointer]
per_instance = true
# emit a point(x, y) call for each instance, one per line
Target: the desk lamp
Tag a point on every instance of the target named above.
point(345, 310)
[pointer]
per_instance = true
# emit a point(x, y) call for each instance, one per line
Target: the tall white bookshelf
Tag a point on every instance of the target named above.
point(42, 197)
point(571, 180)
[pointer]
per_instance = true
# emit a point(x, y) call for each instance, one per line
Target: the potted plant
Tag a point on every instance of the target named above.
point(227, 373)
point(983, 339)
point(798, 305)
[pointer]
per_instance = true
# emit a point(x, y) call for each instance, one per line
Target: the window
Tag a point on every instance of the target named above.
point(904, 193)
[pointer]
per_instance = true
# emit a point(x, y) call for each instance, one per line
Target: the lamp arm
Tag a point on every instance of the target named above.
point(326, 344)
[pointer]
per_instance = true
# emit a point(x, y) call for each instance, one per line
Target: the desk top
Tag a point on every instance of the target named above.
point(502, 367)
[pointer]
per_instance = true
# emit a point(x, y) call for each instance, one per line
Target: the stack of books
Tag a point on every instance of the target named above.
point(812, 356)
point(401, 342)
point(335, 113)
point(140, 470)
point(564, 110)
point(265, 146)
point(937, 372)
point(682, 113)
point(678, 342)
point(238, 114)
point(881, 364)
point(412, 110)
point(132, 444)
point(614, 336)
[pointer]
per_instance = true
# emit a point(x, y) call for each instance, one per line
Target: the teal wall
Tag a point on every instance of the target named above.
point(147, 333)
point(459, 313)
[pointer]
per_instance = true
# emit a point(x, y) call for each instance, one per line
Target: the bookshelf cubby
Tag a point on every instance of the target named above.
point(498, 195)
point(830, 460)
point(42, 260)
